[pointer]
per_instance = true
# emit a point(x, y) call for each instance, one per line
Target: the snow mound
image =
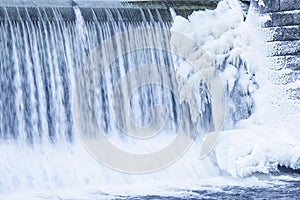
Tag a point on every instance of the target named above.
point(242, 152)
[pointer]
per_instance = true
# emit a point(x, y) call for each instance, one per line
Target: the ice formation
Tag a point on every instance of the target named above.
point(261, 121)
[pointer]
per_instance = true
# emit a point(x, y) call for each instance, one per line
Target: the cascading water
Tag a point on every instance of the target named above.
point(39, 67)
point(36, 79)
point(47, 66)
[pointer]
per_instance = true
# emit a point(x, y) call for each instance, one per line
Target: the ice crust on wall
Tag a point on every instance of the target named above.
point(220, 46)
point(261, 121)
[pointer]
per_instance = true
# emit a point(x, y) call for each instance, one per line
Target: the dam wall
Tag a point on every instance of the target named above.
point(100, 10)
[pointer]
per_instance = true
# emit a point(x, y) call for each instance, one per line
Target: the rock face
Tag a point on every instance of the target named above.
point(284, 40)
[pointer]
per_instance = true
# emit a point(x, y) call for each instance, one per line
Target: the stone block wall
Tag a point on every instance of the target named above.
point(284, 39)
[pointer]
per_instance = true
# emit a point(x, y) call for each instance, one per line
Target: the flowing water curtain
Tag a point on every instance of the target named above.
point(48, 56)
point(40, 57)
point(37, 65)
point(133, 66)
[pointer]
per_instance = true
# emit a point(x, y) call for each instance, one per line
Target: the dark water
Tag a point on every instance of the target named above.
point(285, 190)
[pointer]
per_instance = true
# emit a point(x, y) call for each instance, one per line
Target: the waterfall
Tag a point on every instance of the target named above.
point(41, 59)
point(137, 95)
point(42, 63)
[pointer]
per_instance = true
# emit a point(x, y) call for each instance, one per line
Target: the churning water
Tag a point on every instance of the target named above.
point(62, 82)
